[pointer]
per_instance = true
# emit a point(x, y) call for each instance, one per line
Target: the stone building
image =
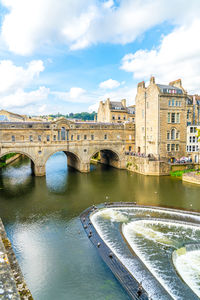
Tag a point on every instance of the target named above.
point(161, 120)
point(115, 112)
point(7, 116)
point(193, 150)
point(193, 110)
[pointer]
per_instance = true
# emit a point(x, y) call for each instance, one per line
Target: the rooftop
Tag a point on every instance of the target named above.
point(169, 89)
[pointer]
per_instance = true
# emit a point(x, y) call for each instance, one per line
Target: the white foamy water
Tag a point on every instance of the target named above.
point(187, 264)
point(152, 240)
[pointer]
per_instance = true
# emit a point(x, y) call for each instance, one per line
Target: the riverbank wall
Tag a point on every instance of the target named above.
point(145, 166)
point(191, 177)
point(13, 158)
point(12, 283)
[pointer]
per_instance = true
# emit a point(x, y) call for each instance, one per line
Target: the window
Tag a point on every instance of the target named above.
point(78, 137)
point(105, 137)
point(168, 147)
point(124, 117)
point(190, 139)
point(177, 147)
point(13, 138)
point(179, 103)
point(168, 117)
point(168, 135)
point(129, 148)
point(173, 117)
point(54, 137)
point(187, 148)
point(177, 135)
point(72, 137)
point(173, 131)
point(113, 117)
point(92, 136)
point(30, 138)
point(48, 138)
point(172, 102)
point(63, 133)
point(172, 147)
point(188, 115)
point(39, 138)
point(85, 137)
point(194, 139)
point(190, 148)
point(118, 117)
point(178, 118)
point(193, 148)
point(195, 129)
point(176, 103)
point(169, 103)
point(191, 129)
point(197, 148)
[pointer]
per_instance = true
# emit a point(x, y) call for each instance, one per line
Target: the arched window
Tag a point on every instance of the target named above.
point(173, 102)
point(63, 133)
point(173, 134)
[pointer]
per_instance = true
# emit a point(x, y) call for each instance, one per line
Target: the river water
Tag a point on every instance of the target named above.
point(41, 216)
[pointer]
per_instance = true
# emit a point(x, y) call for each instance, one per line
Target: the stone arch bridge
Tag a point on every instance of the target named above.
point(80, 141)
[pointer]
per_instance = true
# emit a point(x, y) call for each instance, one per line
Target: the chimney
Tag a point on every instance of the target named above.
point(141, 85)
point(152, 80)
point(176, 83)
point(123, 102)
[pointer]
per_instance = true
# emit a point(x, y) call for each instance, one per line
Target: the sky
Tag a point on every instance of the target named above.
point(66, 55)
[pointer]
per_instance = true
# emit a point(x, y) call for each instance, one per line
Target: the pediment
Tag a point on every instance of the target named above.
point(63, 122)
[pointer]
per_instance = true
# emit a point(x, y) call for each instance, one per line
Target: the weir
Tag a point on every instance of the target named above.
point(144, 240)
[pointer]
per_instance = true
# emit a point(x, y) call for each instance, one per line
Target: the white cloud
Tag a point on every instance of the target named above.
point(14, 80)
point(109, 84)
point(13, 77)
point(79, 24)
point(76, 92)
point(178, 56)
point(74, 95)
point(121, 93)
point(21, 98)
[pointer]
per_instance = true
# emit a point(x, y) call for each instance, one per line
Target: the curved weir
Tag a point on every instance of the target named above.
point(146, 241)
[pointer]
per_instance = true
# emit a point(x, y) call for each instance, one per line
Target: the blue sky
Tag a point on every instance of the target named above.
point(67, 56)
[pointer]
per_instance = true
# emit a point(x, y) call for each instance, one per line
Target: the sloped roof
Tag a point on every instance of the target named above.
point(164, 88)
point(3, 118)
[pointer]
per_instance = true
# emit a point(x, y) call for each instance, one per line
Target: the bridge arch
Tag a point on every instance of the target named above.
point(18, 152)
point(73, 159)
point(108, 156)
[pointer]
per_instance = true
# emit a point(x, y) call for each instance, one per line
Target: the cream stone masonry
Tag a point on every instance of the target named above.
point(115, 112)
point(161, 120)
point(80, 141)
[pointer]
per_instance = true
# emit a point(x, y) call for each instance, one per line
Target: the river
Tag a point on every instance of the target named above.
point(41, 217)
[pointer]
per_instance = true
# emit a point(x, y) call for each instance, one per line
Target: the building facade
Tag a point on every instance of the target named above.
point(192, 148)
point(115, 112)
point(161, 120)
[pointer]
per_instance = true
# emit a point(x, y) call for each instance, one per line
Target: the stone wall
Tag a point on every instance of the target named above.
point(12, 283)
point(192, 177)
point(145, 166)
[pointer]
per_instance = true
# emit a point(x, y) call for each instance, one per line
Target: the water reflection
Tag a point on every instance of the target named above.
point(41, 215)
